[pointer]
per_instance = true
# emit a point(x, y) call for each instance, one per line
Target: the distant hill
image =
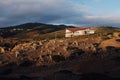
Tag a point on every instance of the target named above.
point(105, 30)
point(30, 30)
point(47, 31)
point(102, 29)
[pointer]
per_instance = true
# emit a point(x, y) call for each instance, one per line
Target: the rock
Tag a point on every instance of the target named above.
point(109, 42)
point(34, 46)
point(2, 50)
point(16, 54)
point(0, 62)
point(116, 34)
point(40, 43)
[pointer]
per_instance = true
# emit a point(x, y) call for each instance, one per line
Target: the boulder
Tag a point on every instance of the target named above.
point(109, 42)
point(116, 34)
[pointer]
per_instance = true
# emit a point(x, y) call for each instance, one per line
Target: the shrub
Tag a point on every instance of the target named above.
point(58, 58)
point(26, 63)
point(118, 40)
point(76, 53)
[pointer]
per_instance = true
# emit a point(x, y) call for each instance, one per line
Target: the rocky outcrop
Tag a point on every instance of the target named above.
point(116, 34)
point(59, 59)
point(25, 46)
point(109, 43)
point(52, 51)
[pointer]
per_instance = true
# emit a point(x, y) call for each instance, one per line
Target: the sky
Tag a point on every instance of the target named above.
point(68, 12)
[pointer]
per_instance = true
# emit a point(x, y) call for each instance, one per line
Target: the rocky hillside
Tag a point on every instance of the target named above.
point(90, 57)
point(60, 59)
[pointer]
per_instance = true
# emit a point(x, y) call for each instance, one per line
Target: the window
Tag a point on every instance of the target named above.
point(76, 32)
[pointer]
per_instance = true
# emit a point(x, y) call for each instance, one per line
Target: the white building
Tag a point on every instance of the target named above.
point(71, 32)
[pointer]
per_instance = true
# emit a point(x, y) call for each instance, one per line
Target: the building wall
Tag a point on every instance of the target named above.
point(79, 32)
point(90, 32)
point(68, 33)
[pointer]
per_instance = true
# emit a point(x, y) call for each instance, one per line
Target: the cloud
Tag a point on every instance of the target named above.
point(97, 0)
point(47, 11)
point(86, 21)
point(50, 11)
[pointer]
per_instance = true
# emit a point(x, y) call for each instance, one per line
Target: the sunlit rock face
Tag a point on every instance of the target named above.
point(110, 42)
point(2, 50)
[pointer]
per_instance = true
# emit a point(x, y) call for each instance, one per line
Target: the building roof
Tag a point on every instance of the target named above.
point(76, 29)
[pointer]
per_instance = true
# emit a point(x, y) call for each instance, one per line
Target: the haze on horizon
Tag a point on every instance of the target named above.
point(69, 12)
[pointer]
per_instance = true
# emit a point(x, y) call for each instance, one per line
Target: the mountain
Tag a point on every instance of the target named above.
point(31, 30)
